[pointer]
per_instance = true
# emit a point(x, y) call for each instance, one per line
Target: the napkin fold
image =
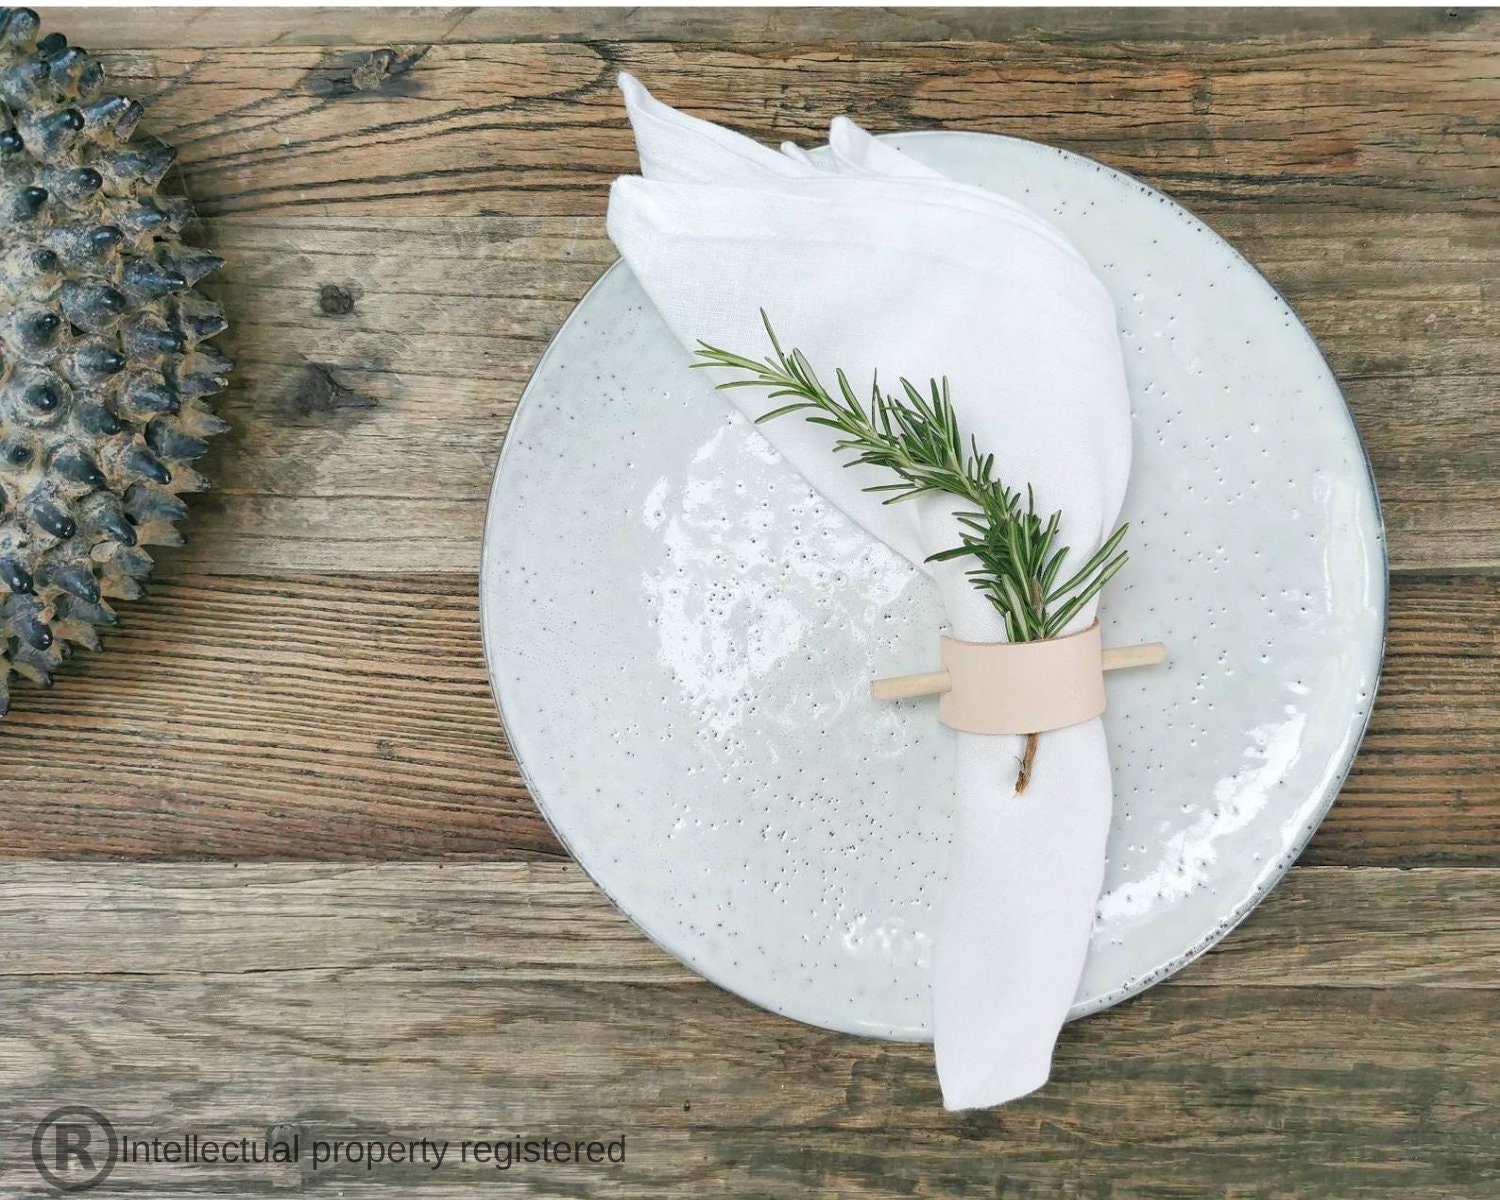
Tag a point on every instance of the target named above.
point(867, 260)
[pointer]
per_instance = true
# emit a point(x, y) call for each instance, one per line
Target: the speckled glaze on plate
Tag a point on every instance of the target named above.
point(680, 634)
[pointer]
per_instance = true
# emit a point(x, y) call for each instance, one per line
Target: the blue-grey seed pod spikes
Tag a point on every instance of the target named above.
point(105, 372)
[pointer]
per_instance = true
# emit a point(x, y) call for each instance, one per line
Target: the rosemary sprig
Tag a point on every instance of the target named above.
point(916, 436)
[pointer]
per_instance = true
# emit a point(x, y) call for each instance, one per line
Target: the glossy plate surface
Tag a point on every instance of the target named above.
point(681, 635)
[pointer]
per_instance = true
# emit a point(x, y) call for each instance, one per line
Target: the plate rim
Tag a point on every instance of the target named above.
point(1263, 885)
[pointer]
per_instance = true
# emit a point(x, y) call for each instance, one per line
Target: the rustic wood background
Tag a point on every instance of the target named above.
point(411, 201)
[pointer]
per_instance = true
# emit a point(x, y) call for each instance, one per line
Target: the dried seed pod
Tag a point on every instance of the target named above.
point(104, 367)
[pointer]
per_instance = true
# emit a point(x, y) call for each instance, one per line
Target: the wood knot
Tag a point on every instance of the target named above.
point(386, 72)
point(319, 393)
point(335, 301)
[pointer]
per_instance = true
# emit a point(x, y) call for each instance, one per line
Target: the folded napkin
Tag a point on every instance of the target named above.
point(868, 261)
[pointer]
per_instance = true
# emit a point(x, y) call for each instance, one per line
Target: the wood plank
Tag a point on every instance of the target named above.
point(381, 358)
point(471, 923)
point(408, 1001)
point(1317, 1141)
point(1268, 1093)
point(149, 27)
point(349, 717)
point(309, 717)
point(529, 129)
point(1410, 798)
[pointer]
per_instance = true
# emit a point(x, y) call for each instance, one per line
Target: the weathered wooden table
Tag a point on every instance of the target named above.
point(271, 863)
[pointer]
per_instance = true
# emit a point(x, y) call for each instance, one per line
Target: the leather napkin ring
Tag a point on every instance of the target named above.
point(1023, 687)
point(1020, 687)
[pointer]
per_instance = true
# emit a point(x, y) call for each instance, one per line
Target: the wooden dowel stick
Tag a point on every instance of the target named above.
point(1119, 658)
point(908, 687)
point(935, 683)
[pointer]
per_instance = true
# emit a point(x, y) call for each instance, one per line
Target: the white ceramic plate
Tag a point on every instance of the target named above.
point(681, 634)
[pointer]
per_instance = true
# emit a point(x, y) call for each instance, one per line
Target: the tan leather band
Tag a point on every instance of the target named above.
point(1023, 687)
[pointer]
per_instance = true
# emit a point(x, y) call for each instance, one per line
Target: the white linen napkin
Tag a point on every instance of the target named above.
point(871, 262)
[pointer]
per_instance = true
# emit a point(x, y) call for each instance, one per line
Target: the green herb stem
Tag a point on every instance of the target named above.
point(916, 436)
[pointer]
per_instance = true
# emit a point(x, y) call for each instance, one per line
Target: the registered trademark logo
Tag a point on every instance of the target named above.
point(74, 1148)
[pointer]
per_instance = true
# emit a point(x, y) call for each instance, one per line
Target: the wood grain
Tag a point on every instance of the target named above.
point(349, 717)
point(428, 329)
point(537, 128)
point(167, 28)
point(1346, 1092)
point(507, 1000)
point(481, 924)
